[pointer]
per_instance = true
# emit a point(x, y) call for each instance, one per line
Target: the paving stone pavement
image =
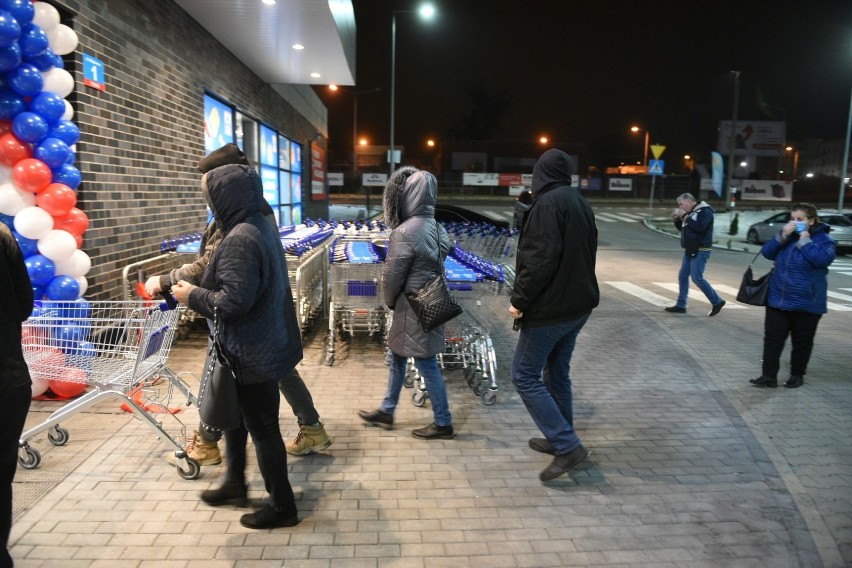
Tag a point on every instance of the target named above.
point(690, 466)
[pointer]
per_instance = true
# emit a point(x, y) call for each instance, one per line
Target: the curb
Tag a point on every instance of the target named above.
point(731, 246)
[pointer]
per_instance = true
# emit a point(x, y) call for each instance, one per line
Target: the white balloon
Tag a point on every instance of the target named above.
point(62, 39)
point(13, 200)
point(33, 222)
point(39, 384)
point(57, 245)
point(83, 283)
point(58, 81)
point(46, 16)
point(78, 264)
point(5, 174)
point(69, 111)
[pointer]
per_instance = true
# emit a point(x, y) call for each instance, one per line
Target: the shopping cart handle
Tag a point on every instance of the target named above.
point(170, 302)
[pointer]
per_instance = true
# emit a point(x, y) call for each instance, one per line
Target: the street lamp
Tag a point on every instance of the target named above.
point(795, 160)
point(426, 11)
point(355, 95)
point(647, 139)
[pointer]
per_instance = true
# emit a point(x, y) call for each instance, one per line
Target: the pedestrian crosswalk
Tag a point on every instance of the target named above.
point(841, 266)
point(839, 301)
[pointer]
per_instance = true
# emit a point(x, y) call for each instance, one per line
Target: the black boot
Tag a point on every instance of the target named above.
point(764, 381)
point(377, 418)
point(230, 493)
point(271, 517)
point(794, 381)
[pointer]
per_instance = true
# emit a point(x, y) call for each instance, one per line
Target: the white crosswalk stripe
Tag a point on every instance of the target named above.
point(617, 217)
point(499, 215)
point(655, 299)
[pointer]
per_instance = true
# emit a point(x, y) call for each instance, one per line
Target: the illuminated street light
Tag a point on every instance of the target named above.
point(543, 140)
point(430, 143)
point(362, 142)
point(647, 139)
point(355, 95)
point(427, 12)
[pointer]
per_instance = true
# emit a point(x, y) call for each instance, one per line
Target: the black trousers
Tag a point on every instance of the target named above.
point(14, 406)
point(800, 327)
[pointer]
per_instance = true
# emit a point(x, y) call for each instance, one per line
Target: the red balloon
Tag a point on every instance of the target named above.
point(74, 386)
point(13, 150)
point(75, 222)
point(79, 239)
point(5, 126)
point(57, 199)
point(30, 174)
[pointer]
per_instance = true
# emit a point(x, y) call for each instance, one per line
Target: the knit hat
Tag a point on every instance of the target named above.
point(230, 153)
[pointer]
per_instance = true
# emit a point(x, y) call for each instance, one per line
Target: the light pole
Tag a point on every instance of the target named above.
point(845, 160)
point(426, 11)
point(355, 95)
point(647, 139)
point(729, 178)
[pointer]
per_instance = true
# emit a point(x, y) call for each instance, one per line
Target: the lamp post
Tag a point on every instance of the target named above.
point(795, 161)
point(426, 11)
point(845, 160)
point(355, 95)
point(732, 142)
point(647, 139)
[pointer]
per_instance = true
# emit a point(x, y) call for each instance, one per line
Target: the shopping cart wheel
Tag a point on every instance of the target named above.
point(30, 459)
point(419, 398)
point(470, 375)
point(489, 397)
point(58, 436)
point(329, 360)
point(193, 470)
point(479, 389)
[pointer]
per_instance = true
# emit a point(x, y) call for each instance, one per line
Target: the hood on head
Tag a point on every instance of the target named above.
point(233, 192)
point(409, 192)
point(230, 153)
point(553, 168)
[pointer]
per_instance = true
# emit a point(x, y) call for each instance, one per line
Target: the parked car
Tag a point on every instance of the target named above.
point(841, 228)
point(522, 204)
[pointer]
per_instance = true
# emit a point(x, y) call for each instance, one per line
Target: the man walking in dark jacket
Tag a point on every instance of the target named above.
point(554, 293)
point(695, 223)
point(16, 305)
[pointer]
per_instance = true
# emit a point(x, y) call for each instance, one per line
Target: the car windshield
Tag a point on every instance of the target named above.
point(838, 220)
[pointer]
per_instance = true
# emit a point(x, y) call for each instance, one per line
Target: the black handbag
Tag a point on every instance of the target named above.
point(218, 405)
point(433, 303)
point(754, 292)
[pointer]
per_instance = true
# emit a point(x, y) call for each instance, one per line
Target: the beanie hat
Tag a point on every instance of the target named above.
point(230, 153)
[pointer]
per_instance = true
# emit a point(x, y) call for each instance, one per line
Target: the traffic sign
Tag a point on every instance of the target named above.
point(655, 167)
point(657, 150)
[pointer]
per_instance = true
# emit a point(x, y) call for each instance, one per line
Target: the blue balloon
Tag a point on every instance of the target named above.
point(41, 270)
point(69, 336)
point(52, 151)
point(62, 288)
point(10, 57)
point(30, 127)
point(78, 310)
point(28, 246)
point(11, 104)
point(8, 220)
point(23, 10)
point(38, 292)
point(81, 356)
point(68, 175)
point(33, 41)
point(49, 105)
point(26, 80)
point(10, 29)
point(58, 61)
point(66, 131)
point(44, 61)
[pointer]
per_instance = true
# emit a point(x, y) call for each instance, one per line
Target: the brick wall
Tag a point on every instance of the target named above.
point(142, 138)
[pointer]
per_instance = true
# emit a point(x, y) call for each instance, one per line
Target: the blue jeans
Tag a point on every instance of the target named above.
point(434, 386)
point(541, 373)
point(694, 268)
point(259, 408)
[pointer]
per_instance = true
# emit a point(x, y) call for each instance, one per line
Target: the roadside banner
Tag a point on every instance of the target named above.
point(718, 173)
point(767, 190)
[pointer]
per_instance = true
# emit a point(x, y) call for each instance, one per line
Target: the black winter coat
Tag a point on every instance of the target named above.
point(247, 280)
point(555, 267)
point(417, 248)
point(16, 305)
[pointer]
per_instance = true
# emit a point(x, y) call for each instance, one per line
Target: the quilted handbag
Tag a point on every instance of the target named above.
point(433, 304)
point(754, 292)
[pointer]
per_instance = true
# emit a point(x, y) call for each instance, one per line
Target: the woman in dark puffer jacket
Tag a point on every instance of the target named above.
point(246, 280)
point(417, 248)
point(797, 293)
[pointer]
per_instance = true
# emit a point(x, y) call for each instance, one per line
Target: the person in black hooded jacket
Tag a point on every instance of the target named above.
point(16, 305)
point(246, 280)
point(553, 296)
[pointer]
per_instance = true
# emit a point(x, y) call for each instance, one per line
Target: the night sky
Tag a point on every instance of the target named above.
point(585, 71)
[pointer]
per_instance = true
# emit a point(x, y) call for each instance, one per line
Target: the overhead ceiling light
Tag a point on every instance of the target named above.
point(269, 2)
point(298, 46)
point(316, 75)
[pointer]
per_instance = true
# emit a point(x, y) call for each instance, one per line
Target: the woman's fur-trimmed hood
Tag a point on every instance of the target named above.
point(409, 193)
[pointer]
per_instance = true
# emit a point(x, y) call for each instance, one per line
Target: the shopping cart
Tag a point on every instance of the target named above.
point(357, 304)
point(487, 241)
point(307, 268)
point(115, 347)
point(468, 344)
